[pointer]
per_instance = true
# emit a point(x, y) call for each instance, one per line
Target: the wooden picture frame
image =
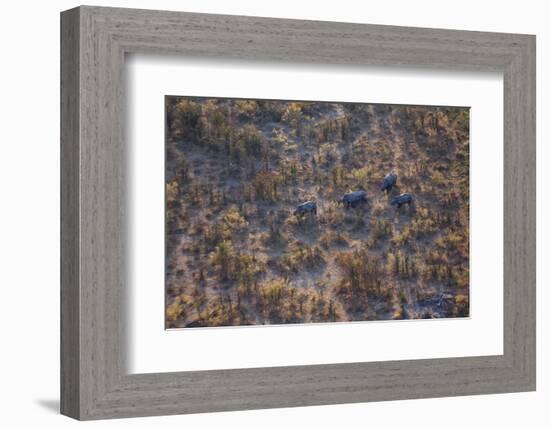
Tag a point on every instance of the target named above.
point(94, 382)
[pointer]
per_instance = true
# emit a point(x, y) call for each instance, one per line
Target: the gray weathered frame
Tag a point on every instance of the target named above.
point(94, 41)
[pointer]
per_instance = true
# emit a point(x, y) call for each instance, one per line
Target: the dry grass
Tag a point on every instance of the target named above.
point(236, 253)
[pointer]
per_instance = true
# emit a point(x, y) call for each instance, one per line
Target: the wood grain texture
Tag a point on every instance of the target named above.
point(94, 234)
point(70, 258)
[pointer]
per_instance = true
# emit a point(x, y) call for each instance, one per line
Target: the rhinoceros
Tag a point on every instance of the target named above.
point(306, 207)
point(389, 181)
point(354, 198)
point(402, 199)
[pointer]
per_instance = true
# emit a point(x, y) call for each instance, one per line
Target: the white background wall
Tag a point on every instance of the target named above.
point(29, 214)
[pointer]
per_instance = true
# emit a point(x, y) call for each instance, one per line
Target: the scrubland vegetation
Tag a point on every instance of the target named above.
point(237, 254)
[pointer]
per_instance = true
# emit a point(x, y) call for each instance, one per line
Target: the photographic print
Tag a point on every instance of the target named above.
point(295, 212)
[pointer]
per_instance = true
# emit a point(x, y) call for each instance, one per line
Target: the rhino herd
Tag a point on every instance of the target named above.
point(358, 197)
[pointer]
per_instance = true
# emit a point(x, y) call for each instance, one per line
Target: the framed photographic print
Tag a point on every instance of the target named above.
point(262, 213)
